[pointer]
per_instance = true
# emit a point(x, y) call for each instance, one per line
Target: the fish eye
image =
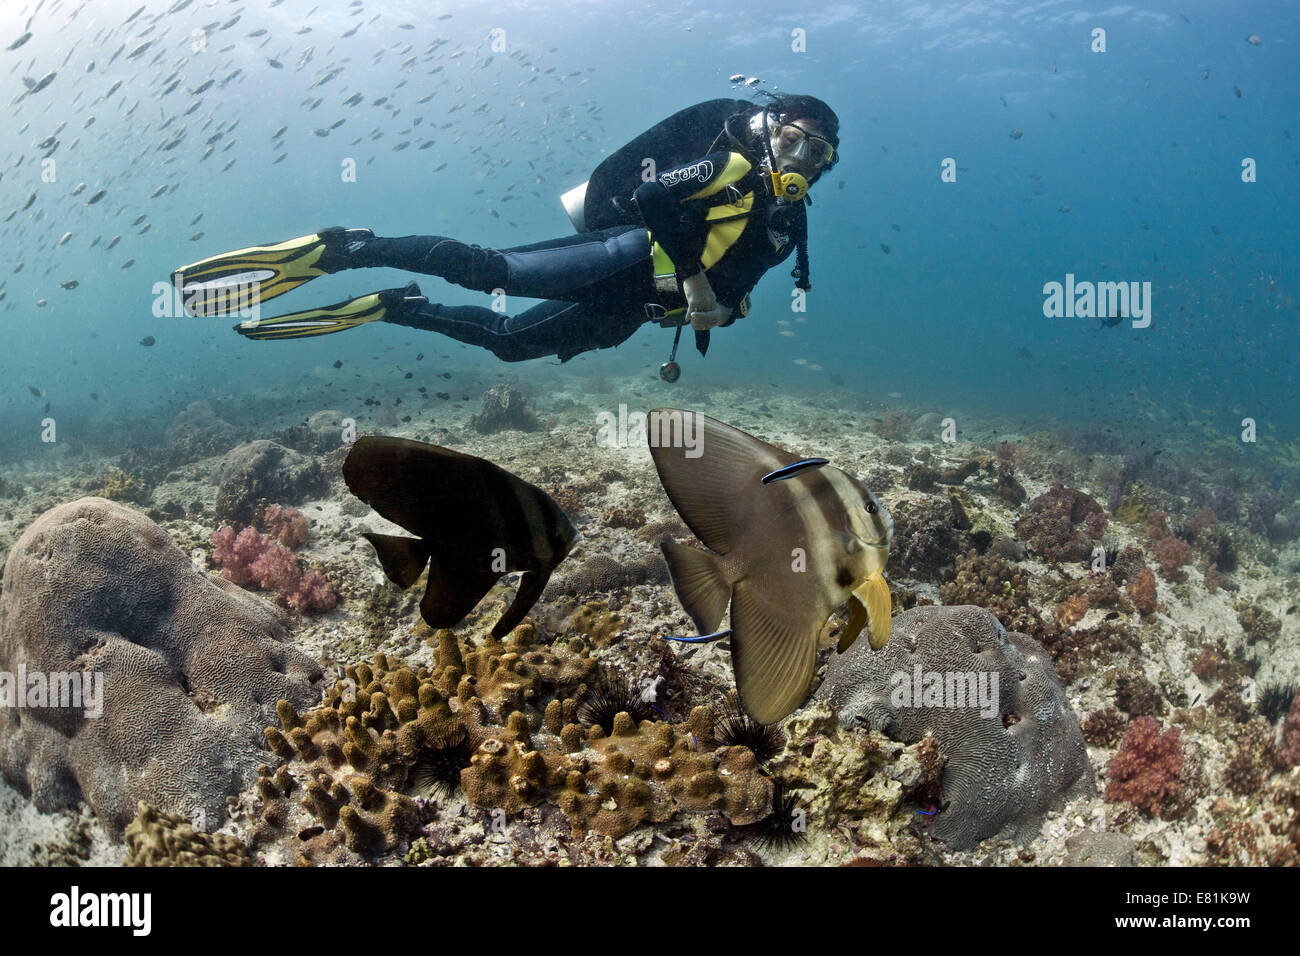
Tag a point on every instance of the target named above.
point(871, 507)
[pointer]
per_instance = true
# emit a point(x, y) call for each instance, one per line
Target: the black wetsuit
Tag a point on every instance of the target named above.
point(599, 286)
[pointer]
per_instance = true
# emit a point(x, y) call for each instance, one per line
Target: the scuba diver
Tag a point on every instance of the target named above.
point(686, 246)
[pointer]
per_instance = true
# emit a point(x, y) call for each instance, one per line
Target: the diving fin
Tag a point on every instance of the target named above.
point(332, 318)
point(240, 280)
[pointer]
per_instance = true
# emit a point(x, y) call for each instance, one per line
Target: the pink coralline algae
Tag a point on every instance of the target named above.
point(252, 559)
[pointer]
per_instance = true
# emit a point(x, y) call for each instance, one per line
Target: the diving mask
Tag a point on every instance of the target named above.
point(797, 145)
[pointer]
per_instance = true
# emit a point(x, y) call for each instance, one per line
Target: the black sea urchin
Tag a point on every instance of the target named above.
point(609, 695)
point(732, 727)
point(438, 765)
point(1275, 700)
point(785, 827)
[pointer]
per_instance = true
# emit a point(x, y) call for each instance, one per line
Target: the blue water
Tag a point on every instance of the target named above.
point(1128, 168)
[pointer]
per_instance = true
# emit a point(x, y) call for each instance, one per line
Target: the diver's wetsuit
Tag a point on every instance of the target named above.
point(600, 286)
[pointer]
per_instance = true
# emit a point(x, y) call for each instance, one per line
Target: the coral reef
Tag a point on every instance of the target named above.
point(198, 433)
point(187, 667)
point(602, 574)
point(354, 758)
point(1051, 526)
point(286, 525)
point(168, 839)
point(632, 518)
point(1100, 849)
point(926, 540)
point(261, 471)
point(118, 485)
point(1258, 622)
point(1145, 771)
point(1170, 551)
point(251, 558)
point(1142, 592)
point(1012, 754)
point(853, 781)
point(893, 425)
point(1289, 754)
point(1104, 728)
point(504, 408)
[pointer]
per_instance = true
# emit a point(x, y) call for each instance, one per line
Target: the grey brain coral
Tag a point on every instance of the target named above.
point(191, 668)
point(1004, 771)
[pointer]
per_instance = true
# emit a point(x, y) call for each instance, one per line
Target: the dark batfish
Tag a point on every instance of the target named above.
point(790, 540)
point(472, 520)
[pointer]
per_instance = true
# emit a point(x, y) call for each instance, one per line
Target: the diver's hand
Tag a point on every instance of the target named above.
point(718, 315)
point(702, 306)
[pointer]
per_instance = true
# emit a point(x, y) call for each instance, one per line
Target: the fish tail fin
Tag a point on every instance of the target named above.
point(869, 606)
point(700, 582)
point(403, 559)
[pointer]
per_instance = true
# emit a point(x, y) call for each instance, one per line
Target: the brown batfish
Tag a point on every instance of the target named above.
point(473, 522)
point(790, 540)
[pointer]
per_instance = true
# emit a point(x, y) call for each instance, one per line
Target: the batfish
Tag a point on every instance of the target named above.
point(472, 520)
point(789, 538)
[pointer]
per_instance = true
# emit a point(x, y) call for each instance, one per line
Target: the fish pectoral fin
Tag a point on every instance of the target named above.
point(531, 585)
point(857, 621)
point(403, 559)
point(454, 589)
point(773, 652)
point(701, 585)
point(869, 606)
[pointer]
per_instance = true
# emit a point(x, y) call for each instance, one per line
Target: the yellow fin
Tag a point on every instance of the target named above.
point(871, 605)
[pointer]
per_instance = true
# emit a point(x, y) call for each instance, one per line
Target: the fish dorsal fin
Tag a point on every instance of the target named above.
point(773, 651)
point(716, 481)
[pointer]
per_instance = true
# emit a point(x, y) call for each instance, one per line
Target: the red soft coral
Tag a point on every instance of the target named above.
point(1142, 592)
point(1171, 553)
point(250, 558)
point(1289, 755)
point(286, 524)
point(1145, 770)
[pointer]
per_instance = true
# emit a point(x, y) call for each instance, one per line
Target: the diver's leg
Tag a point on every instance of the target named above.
point(552, 328)
point(555, 268)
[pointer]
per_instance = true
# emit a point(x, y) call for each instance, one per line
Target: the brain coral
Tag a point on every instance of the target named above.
point(1007, 764)
point(190, 669)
